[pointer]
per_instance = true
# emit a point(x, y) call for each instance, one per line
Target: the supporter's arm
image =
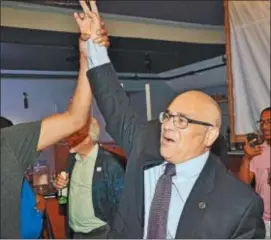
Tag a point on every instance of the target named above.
point(59, 126)
point(26, 139)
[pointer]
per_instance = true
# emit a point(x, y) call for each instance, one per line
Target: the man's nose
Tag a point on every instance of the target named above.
point(266, 125)
point(169, 124)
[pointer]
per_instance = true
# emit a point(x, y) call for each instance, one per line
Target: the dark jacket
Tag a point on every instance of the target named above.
point(107, 185)
point(232, 209)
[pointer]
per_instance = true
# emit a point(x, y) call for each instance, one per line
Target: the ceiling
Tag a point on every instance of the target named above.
point(31, 49)
point(200, 12)
point(28, 49)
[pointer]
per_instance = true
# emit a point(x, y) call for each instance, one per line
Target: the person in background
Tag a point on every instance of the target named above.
point(21, 144)
point(256, 165)
point(95, 185)
point(31, 207)
point(185, 193)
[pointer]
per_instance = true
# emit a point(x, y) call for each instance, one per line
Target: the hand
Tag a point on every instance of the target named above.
point(40, 203)
point(90, 24)
point(60, 182)
point(251, 152)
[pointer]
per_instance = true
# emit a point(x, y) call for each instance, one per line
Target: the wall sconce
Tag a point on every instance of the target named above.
point(25, 100)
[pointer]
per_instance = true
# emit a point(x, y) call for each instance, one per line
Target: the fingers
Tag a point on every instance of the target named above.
point(84, 6)
point(258, 147)
point(60, 182)
point(60, 185)
point(102, 41)
point(93, 7)
point(77, 18)
point(101, 32)
point(92, 14)
point(82, 15)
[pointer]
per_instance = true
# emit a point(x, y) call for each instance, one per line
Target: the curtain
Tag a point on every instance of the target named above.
point(250, 61)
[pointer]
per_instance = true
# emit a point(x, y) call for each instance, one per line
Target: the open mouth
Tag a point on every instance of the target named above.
point(168, 140)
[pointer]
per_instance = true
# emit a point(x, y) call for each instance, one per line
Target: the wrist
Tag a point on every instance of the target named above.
point(247, 157)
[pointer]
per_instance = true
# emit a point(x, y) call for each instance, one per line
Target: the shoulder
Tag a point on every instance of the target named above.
point(30, 128)
point(21, 133)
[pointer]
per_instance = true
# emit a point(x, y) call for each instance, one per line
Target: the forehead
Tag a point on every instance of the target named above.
point(186, 108)
point(266, 115)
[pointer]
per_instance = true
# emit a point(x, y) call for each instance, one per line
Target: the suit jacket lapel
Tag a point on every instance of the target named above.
point(197, 203)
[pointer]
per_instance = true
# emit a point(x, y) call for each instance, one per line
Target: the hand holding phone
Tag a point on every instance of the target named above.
point(253, 146)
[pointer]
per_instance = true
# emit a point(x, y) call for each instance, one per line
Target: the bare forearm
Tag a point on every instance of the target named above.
point(244, 172)
point(79, 107)
point(60, 126)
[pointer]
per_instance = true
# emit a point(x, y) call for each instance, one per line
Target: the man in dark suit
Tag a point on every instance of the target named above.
point(184, 191)
point(96, 182)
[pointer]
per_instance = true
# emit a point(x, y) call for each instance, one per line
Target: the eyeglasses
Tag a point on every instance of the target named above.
point(180, 121)
point(262, 122)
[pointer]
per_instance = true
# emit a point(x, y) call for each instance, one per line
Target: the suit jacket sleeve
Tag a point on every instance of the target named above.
point(122, 123)
point(251, 225)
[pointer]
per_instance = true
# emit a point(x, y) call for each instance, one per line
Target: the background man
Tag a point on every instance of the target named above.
point(256, 165)
point(95, 186)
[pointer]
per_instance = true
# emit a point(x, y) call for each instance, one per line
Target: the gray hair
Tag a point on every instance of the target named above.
point(94, 130)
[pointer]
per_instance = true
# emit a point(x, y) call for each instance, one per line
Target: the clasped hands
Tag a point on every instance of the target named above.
point(91, 26)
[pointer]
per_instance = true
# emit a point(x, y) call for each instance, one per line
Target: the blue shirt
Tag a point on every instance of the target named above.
point(31, 218)
point(186, 173)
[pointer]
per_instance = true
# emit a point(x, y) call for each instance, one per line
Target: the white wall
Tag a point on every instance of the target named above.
point(46, 96)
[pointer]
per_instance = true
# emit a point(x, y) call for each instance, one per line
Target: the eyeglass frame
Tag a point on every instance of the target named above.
point(189, 120)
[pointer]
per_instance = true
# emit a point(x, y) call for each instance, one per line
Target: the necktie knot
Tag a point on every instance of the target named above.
point(170, 169)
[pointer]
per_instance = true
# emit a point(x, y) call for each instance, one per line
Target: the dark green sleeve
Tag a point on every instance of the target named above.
point(23, 140)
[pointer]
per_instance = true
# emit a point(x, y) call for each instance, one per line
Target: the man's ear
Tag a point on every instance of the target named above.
point(211, 135)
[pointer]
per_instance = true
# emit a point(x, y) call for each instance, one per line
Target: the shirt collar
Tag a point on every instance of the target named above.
point(191, 167)
point(91, 155)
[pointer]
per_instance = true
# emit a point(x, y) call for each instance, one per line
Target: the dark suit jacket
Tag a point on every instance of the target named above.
point(107, 185)
point(232, 209)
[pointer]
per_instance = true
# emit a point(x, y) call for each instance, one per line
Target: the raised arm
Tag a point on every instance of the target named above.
point(58, 126)
point(122, 123)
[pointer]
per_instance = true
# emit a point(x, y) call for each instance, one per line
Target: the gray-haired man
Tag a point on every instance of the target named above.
point(96, 181)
